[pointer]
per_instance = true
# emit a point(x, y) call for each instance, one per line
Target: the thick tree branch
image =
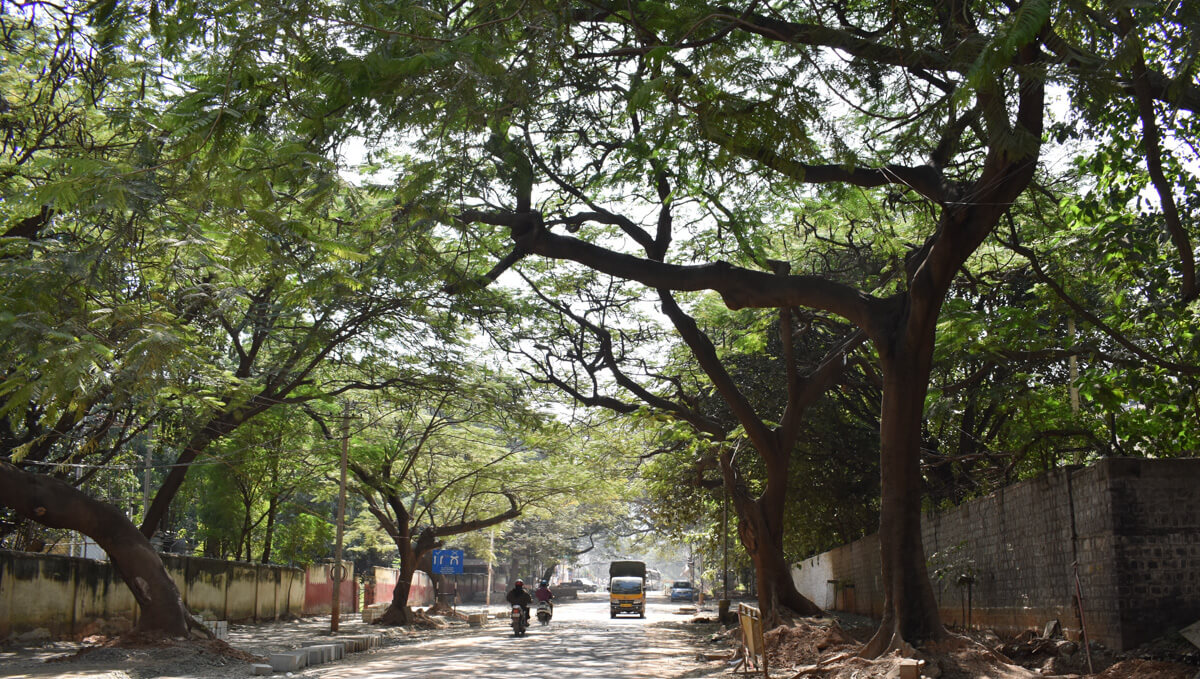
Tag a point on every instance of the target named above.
point(512, 512)
point(926, 180)
point(737, 286)
point(867, 48)
point(1152, 146)
point(30, 227)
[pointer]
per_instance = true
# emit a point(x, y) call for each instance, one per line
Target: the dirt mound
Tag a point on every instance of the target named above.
point(160, 651)
point(1149, 669)
point(962, 658)
point(805, 642)
point(819, 648)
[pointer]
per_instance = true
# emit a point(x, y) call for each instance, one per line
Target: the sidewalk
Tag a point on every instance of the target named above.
point(40, 659)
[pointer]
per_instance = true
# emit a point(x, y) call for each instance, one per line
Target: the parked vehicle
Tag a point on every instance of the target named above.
point(518, 621)
point(627, 588)
point(545, 611)
point(583, 585)
point(682, 590)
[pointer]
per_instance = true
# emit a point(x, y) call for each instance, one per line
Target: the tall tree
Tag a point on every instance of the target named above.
point(716, 121)
point(83, 353)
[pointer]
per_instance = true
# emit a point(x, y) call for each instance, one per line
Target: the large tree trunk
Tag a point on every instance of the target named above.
point(412, 559)
point(761, 529)
point(398, 612)
point(270, 530)
point(778, 598)
point(910, 612)
point(56, 504)
point(216, 428)
point(154, 514)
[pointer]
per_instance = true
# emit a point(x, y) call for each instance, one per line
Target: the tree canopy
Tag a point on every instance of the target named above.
point(962, 231)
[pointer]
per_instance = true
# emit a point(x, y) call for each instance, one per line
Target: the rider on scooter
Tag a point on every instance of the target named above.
point(519, 596)
point(543, 593)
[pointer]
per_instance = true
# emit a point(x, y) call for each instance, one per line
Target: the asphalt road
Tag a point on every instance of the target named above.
point(581, 642)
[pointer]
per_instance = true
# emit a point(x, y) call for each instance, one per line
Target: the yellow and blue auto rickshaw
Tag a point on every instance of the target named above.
point(627, 588)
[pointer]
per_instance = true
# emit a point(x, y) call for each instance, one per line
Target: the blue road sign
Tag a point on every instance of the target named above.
point(448, 561)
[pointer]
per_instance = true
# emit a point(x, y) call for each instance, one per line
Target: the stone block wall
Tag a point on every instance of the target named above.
point(1007, 561)
point(1156, 545)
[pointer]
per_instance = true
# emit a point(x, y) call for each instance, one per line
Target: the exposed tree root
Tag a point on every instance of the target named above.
point(889, 638)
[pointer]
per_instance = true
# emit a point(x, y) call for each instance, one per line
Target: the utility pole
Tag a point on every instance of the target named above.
point(487, 598)
point(725, 544)
point(145, 479)
point(338, 571)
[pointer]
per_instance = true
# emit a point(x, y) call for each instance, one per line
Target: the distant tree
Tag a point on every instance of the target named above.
point(439, 463)
point(581, 347)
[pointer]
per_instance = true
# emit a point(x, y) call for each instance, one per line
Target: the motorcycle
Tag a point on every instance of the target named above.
point(518, 621)
point(544, 612)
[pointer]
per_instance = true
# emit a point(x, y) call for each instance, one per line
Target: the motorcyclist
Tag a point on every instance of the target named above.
point(543, 593)
point(519, 596)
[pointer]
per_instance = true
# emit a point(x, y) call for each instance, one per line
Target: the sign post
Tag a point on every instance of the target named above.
point(448, 562)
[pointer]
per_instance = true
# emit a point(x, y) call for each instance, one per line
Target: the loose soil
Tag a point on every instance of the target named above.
point(826, 648)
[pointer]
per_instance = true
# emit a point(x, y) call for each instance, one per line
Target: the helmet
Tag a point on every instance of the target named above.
point(519, 583)
point(543, 583)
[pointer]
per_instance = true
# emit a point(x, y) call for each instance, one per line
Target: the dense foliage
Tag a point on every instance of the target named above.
point(836, 260)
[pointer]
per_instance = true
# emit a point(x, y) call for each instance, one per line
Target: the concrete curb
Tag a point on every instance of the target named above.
point(317, 654)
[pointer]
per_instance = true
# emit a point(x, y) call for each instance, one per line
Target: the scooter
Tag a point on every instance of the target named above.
point(545, 611)
point(518, 621)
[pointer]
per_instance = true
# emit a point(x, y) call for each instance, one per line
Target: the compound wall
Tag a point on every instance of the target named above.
point(1007, 561)
point(70, 597)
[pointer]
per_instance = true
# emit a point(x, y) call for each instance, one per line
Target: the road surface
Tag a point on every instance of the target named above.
point(582, 642)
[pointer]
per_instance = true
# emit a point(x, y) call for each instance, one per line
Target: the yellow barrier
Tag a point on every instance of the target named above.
point(752, 639)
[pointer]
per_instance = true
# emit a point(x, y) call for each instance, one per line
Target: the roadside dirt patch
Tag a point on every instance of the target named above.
point(142, 658)
point(1149, 669)
point(822, 649)
point(819, 648)
point(195, 649)
point(805, 643)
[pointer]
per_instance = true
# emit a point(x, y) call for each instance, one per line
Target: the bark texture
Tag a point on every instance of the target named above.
point(760, 530)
